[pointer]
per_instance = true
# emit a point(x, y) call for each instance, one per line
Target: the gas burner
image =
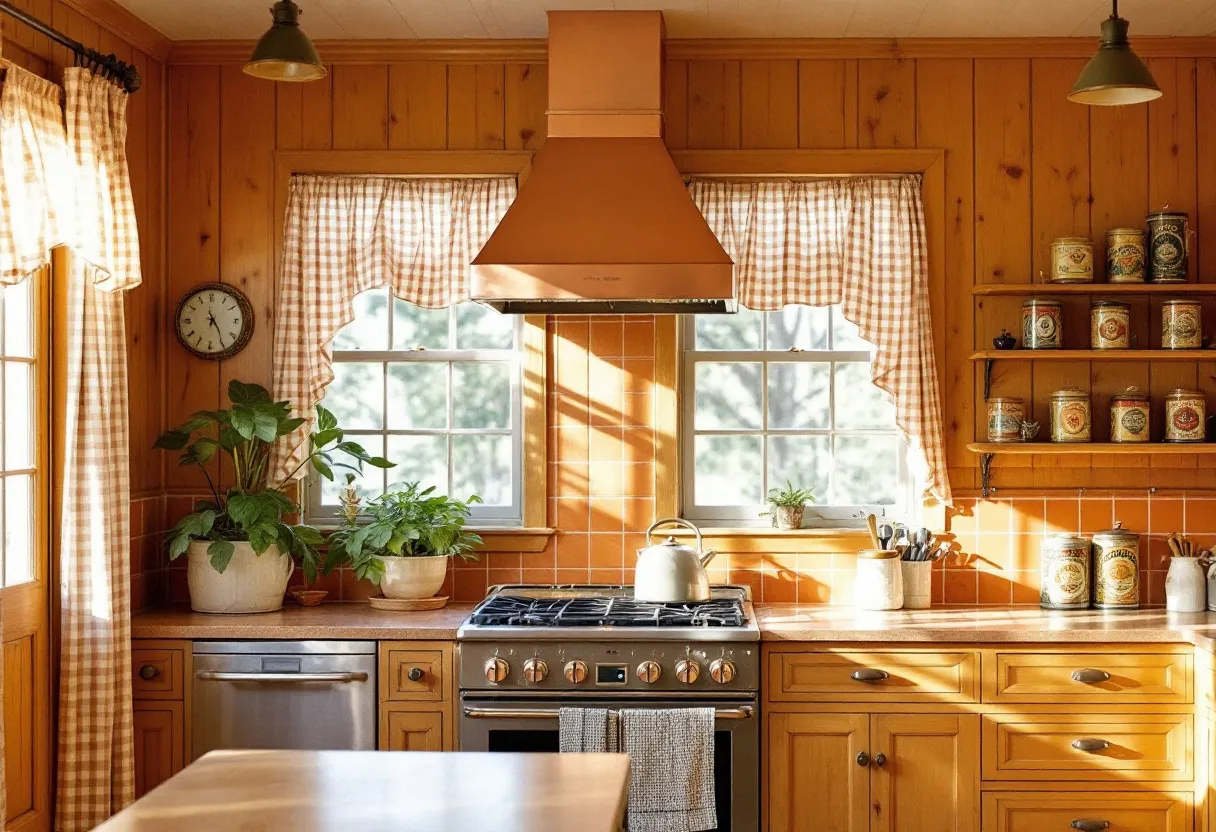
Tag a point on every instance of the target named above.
point(505, 610)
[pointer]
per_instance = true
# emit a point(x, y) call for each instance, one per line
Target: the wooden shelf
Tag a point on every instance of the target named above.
point(1094, 355)
point(1094, 289)
point(1150, 448)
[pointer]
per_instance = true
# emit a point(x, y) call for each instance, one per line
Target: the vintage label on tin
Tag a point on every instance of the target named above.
point(1117, 577)
point(1109, 328)
point(1125, 252)
point(1167, 244)
point(1041, 327)
point(1184, 419)
point(1005, 420)
point(1065, 576)
point(1181, 326)
point(1070, 422)
point(1072, 261)
point(1128, 422)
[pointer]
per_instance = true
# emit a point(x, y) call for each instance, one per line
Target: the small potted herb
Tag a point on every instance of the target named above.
point(404, 539)
point(787, 505)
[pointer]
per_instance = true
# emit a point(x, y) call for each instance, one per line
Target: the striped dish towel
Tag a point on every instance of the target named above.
point(671, 763)
point(591, 730)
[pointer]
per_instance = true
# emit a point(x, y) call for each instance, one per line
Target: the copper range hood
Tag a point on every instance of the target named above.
point(603, 223)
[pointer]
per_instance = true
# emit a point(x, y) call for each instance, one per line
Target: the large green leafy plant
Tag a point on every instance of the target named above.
point(252, 509)
point(409, 522)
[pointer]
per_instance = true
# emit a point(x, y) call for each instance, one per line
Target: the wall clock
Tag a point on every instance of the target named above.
point(214, 321)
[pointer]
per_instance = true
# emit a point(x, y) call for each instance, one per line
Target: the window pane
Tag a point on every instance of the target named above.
point(798, 395)
point(356, 395)
point(415, 327)
point(481, 328)
point(18, 529)
point(369, 329)
point(370, 481)
point(728, 395)
point(18, 416)
point(741, 331)
point(422, 459)
point(805, 461)
point(417, 396)
point(859, 404)
point(481, 395)
point(804, 327)
point(845, 335)
point(18, 319)
point(481, 465)
point(727, 470)
point(867, 470)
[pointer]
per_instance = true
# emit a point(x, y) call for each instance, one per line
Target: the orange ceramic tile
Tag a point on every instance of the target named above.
point(749, 578)
point(1063, 514)
point(639, 513)
point(638, 444)
point(815, 588)
point(496, 575)
point(780, 589)
point(962, 519)
point(604, 479)
point(639, 375)
point(994, 587)
point(638, 409)
point(606, 396)
point(1158, 552)
point(572, 550)
point(638, 479)
point(1132, 512)
point(571, 376)
point(135, 520)
point(569, 409)
point(573, 576)
point(1097, 515)
point(639, 339)
point(994, 551)
point(994, 516)
point(571, 443)
point(1026, 587)
point(139, 594)
point(1200, 516)
point(842, 588)
point(1025, 551)
point(938, 596)
point(448, 588)
point(607, 338)
point(155, 553)
point(1165, 515)
point(635, 543)
point(354, 589)
point(572, 515)
point(1155, 593)
point(572, 479)
point(538, 576)
point(178, 507)
point(606, 444)
point(607, 514)
point(1027, 516)
point(961, 586)
point(574, 331)
point(606, 576)
point(606, 551)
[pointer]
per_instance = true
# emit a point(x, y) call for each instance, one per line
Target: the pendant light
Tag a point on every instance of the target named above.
point(285, 53)
point(1114, 76)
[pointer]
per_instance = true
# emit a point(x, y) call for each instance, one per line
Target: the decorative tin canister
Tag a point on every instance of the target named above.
point(1168, 247)
point(1110, 325)
point(1125, 255)
point(1129, 416)
point(1185, 416)
point(1005, 416)
point(1070, 415)
point(1072, 260)
point(1041, 324)
point(1116, 569)
point(1065, 566)
point(1181, 325)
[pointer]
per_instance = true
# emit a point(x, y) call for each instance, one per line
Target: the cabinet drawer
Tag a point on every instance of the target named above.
point(1086, 811)
point(900, 676)
point(157, 672)
point(413, 673)
point(1089, 677)
point(1113, 747)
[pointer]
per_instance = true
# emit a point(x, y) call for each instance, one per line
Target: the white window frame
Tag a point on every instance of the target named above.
point(817, 515)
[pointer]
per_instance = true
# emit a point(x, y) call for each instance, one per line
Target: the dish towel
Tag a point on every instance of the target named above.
point(671, 765)
point(588, 730)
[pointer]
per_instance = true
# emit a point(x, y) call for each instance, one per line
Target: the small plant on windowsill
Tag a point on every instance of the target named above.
point(787, 505)
point(240, 544)
point(403, 539)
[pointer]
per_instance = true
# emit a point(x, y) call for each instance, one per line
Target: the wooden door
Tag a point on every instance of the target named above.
point(814, 778)
point(25, 574)
point(925, 773)
point(414, 731)
point(160, 749)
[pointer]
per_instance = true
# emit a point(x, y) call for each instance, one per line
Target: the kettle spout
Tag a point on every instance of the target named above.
point(707, 557)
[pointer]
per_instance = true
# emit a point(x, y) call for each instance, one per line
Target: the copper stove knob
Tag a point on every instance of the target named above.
point(576, 671)
point(722, 671)
point(648, 672)
point(688, 671)
point(535, 670)
point(497, 670)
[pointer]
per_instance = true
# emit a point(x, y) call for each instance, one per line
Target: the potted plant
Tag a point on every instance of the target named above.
point(407, 542)
point(240, 545)
point(787, 505)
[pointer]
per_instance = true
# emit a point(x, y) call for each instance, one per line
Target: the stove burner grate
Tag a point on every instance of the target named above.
point(519, 611)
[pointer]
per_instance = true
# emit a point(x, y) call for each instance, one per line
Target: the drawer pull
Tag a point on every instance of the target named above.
point(1090, 676)
point(863, 759)
point(415, 674)
point(869, 674)
point(148, 672)
point(1090, 744)
point(1090, 825)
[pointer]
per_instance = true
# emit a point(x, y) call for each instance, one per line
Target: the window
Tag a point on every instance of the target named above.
point(21, 452)
point(777, 396)
point(437, 391)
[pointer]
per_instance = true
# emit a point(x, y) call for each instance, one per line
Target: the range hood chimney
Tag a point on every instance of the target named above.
point(603, 223)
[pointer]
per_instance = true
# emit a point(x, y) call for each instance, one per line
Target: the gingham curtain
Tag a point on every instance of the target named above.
point(344, 235)
point(859, 242)
point(96, 765)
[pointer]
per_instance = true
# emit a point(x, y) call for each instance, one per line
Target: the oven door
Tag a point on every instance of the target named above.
point(531, 726)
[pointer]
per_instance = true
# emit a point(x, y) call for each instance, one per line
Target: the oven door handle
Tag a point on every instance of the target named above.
point(742, 712)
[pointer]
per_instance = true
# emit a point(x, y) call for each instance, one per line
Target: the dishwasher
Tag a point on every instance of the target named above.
point(284, 694)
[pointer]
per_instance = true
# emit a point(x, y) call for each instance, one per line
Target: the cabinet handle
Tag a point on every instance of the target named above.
point(148, 672)
point(1090, 676)
point(880, 759)
point(1090, 825)
point(863, 759)
point(1090, 744)
point(415, 674)
point(869, 674)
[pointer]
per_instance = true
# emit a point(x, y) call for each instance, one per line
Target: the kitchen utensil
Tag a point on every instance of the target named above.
point(672, 572)
point(872, 523)
point(886, 535)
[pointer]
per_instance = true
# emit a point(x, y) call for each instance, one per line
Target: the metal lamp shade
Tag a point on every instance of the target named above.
point(1115, 76)
point(285, 53)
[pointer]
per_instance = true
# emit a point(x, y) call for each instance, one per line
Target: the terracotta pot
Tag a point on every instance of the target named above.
point(410, 578)
point(309, 597)
point(788, 517)
point(250, 583)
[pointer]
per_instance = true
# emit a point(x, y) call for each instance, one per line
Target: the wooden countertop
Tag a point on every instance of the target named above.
point(340, 620)
point(337, 791)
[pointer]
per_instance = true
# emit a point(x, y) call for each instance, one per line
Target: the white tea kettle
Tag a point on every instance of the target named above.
point(672, 572)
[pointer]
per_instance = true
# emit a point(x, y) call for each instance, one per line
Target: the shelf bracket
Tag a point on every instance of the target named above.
point(986, 474)
point(987, 377)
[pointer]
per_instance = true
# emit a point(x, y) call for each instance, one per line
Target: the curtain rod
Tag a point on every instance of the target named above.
point(109, 66)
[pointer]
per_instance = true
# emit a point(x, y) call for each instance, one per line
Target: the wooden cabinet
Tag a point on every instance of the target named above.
point(880, 772)
point(1096, 811)
point(159, 743)
point(417, 696)
point(412, 731)
point(873, 676)
point(1126, 675)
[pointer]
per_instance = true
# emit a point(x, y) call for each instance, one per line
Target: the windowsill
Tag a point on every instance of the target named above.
point(762, 539)
point(498, 538)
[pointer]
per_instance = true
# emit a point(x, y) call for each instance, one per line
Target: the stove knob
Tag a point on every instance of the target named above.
point(497, 670)
point(648, 672)
point(535, 671)
point(576, 672)
point(722, 671)
point(688, 671)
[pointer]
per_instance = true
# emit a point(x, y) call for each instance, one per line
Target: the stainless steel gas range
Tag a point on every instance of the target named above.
point(528, 650)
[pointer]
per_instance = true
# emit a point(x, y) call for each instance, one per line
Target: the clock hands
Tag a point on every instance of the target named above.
point(211, 319)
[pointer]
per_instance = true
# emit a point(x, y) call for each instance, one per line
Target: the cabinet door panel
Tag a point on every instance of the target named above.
point(159, 744)
point(412, 731)
point(927, 777)
point(814, 780)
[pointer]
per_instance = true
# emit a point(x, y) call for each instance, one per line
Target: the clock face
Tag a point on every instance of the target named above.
point(214, 321)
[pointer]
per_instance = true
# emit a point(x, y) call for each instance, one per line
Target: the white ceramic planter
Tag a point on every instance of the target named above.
point(412, 578)
point(251, 583)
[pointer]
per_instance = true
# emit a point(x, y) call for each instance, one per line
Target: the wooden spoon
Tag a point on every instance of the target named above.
point(872, 522)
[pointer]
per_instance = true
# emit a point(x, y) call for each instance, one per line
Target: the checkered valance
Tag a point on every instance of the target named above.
point(859, 242)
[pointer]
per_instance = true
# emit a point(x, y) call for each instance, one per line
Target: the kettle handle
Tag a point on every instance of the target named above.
point(676, 521)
